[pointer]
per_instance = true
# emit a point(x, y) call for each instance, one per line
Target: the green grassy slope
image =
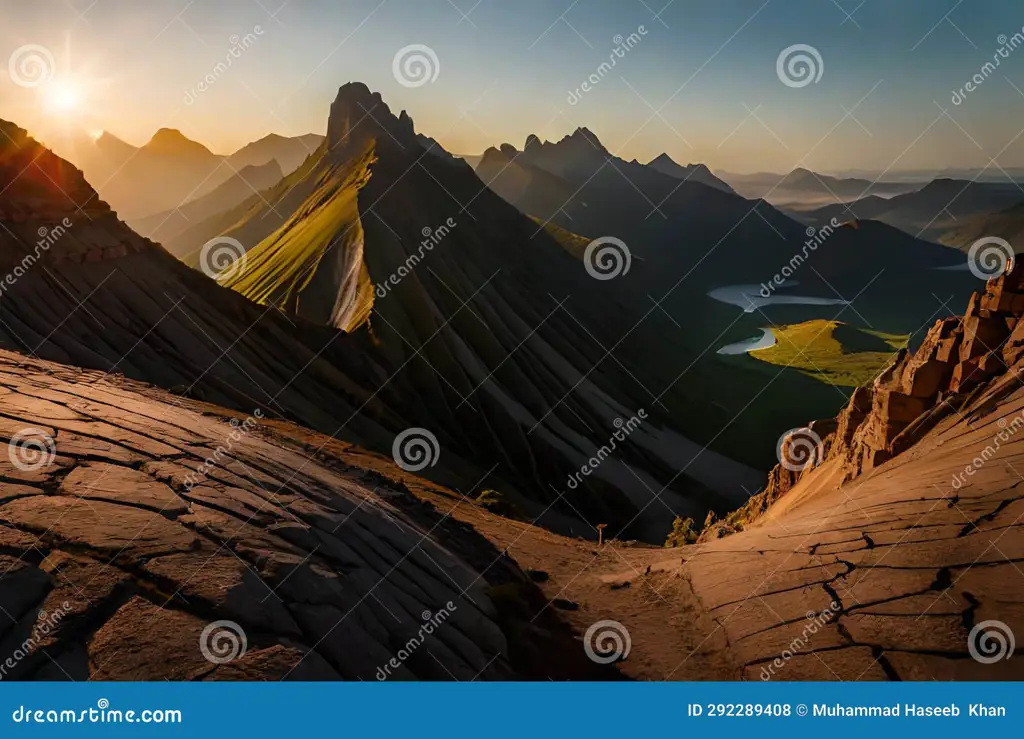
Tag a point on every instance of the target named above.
point(832, 351)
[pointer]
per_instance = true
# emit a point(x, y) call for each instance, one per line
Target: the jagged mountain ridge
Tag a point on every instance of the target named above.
point(514, 371)
point(171, 170)
point(701, 240)
point(696, 172)
point(145, 314)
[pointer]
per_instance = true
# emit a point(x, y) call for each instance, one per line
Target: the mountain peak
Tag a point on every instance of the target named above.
point(174, 142)
point(358, 113)
point(531, 141)
point(585, 134)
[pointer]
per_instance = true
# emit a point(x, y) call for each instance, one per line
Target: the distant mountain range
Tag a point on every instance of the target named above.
point(171, 169)
point(930, 212)
point(697, 172)
point(167, 226)
point(805, 188)
point(321, 245)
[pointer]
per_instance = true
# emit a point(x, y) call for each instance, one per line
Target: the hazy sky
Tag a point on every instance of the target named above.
point(701, 84)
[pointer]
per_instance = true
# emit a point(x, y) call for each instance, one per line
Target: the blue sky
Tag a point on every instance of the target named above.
point(708, 67)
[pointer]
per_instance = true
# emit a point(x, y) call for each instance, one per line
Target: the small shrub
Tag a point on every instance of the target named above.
point(496, 503)
point(683, 533)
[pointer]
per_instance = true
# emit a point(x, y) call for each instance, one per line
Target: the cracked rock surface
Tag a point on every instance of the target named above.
point(151, 517)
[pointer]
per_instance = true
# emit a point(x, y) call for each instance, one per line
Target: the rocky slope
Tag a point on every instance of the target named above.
point(886, 547)
point(965, 364)
point(147, 537)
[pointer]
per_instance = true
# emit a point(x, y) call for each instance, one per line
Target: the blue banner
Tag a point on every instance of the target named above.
point(494, 710)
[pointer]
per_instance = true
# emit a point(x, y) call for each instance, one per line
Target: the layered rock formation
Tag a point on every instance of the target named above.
point(956, 363)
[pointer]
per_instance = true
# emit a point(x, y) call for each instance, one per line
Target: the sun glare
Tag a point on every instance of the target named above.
point(62, 97)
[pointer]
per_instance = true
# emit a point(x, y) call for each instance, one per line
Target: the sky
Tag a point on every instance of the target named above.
point(700, 82)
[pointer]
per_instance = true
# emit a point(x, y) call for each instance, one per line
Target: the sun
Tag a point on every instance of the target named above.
point(62, 97)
